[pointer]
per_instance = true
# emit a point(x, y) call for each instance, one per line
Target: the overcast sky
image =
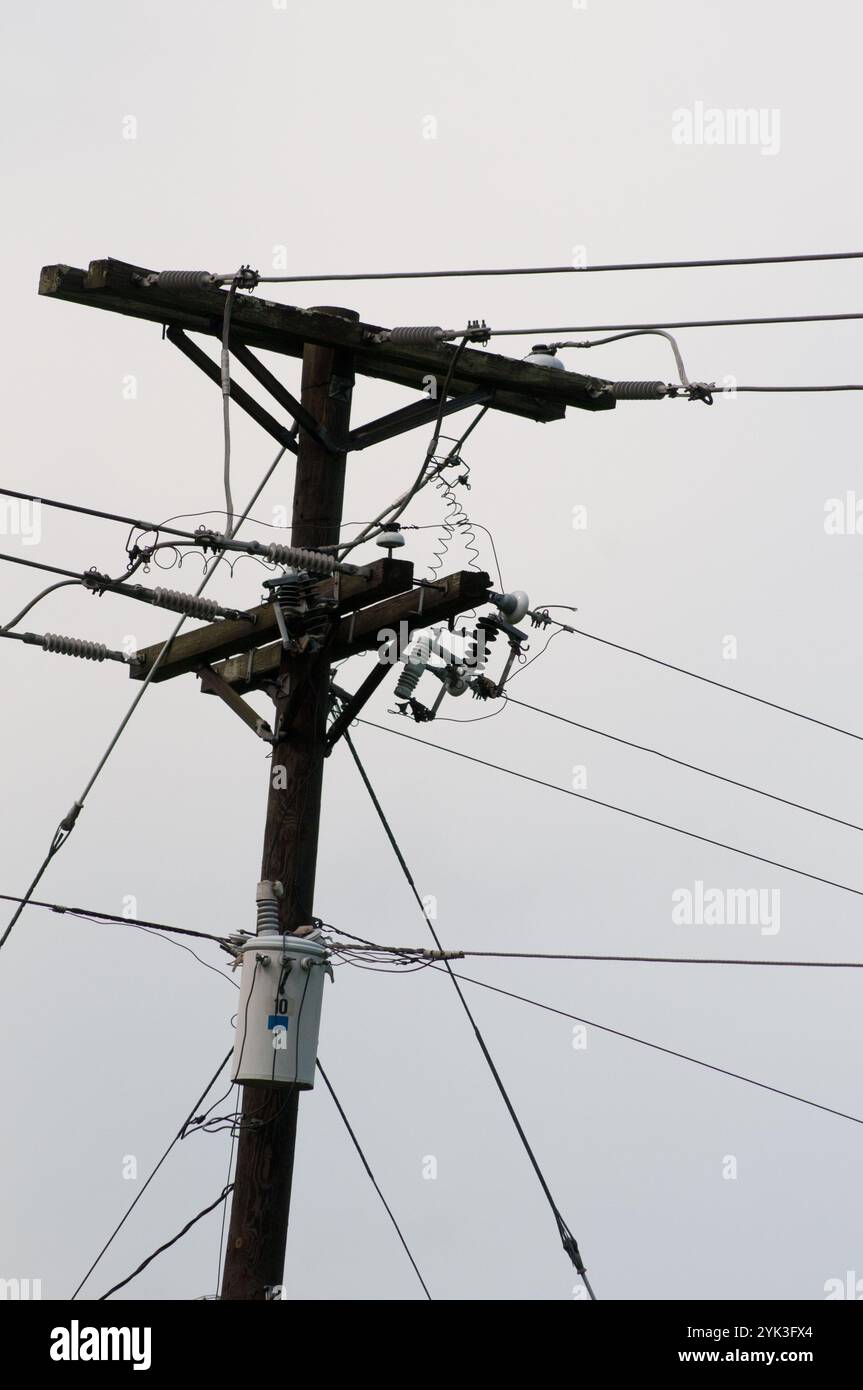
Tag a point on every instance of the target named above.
point(338, 137)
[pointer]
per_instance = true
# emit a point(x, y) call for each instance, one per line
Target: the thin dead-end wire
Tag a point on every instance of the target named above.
point(570, 1244)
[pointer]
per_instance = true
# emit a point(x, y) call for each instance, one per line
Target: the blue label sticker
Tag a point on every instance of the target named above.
point(278, 1021)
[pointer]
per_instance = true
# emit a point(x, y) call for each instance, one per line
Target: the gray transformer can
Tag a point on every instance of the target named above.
point(279, 1014)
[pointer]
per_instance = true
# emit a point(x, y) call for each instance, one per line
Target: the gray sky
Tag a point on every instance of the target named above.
point(259, 128)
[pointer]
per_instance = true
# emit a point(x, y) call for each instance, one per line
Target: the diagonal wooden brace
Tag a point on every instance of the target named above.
point(213, 684)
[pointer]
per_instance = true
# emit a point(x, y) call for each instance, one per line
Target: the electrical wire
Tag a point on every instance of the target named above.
point(226, 398)
point(680, 762)
point(621, 810)
point(177, 1137)
point(568, 1240)
point(93, 915)
point(61, 584)
point(657, 1047)
point(563, 269)
point(541, 652)
point(222, 1197)
point(67, 824)
point(224, 1216)
point(631, 1037)
point(662, 325)
point(707, 680)
point(391, 514)
point(356, 1143)
point(136, 524)
point(412, 953)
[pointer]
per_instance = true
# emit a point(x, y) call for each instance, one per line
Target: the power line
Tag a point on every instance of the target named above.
point(457, 953)
point(67, 824)
point(631, 1037)
point(90, 914)
point(96, 512)
point(679, 323)
point(569, 1242)
point(657, 1047)
point(564, 269)
point(707, 680)
point(680, 762)
point(177, 1137)
point(113, 917)
point(621, 810)
point(356, 1143)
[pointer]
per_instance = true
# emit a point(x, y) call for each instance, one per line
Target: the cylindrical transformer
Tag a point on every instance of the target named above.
point(279, 1012)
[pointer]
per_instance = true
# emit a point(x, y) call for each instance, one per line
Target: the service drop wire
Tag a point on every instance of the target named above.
point(67, 824)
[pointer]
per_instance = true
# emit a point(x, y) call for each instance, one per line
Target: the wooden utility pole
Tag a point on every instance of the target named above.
point(255, 1257)
point(245, 652)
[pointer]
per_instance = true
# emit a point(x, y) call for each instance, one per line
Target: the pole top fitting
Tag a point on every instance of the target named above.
point(269, 890)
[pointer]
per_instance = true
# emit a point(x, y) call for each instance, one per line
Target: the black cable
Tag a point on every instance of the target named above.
point(88, 912)
point(222, 1197)
point(356, 1143)
point(566, 269)
point(94, 511)
point(39, 565)
point(680, 762)
point(708, 680)
point(622, 810)
point(657, 1047)
point(569, 1242)
point(177, 1137)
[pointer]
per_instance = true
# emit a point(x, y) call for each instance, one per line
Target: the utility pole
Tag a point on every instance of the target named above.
point(255, 1257)
point(286, 645)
